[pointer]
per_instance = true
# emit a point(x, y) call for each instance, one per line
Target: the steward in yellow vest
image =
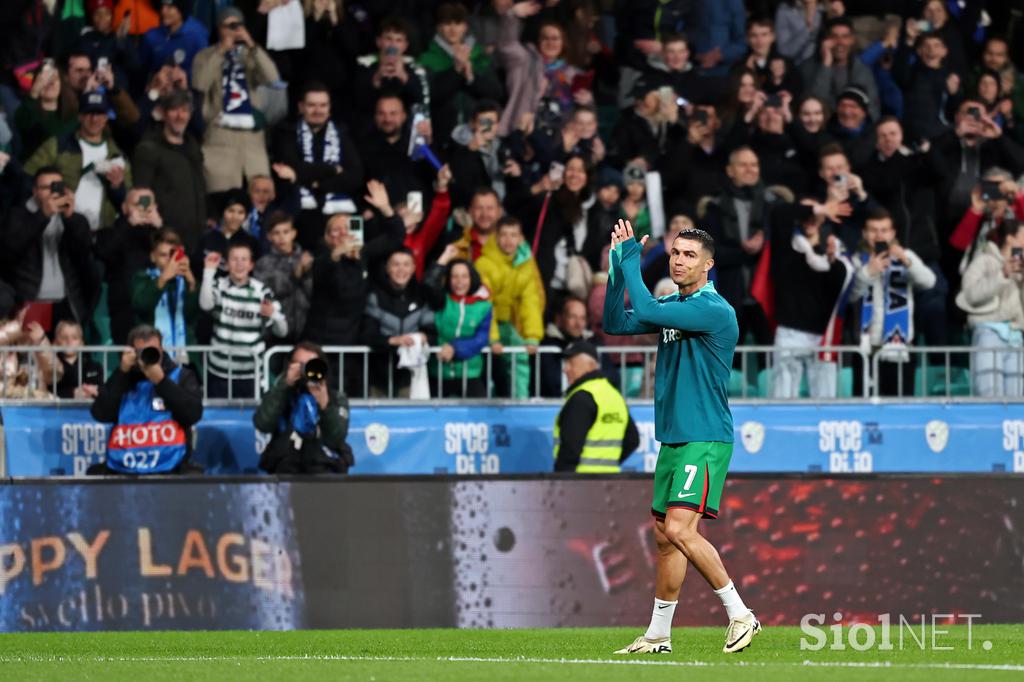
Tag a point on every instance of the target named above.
point(593, 430)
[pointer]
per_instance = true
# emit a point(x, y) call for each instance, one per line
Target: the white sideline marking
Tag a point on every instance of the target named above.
point(547, 661)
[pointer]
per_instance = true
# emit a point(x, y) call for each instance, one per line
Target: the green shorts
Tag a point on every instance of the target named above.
point(691, 476)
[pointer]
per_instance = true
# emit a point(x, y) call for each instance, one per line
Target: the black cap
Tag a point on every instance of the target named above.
point(182, 5)
point(644, 84)
point(580, 347)
point(93, 102)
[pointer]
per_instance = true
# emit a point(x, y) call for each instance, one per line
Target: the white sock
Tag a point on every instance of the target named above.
point(734, 606)
point(661, 620)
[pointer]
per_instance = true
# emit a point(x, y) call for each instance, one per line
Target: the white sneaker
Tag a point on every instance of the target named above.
point(642, 645)
point(740, 633)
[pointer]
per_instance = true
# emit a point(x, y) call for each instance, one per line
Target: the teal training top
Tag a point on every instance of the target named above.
point(698, 339)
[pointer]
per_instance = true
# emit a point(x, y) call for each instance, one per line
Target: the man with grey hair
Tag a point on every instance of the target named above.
point(170, 161)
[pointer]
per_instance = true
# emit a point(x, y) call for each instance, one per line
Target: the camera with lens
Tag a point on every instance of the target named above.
point(149, 356)
point(314, 372)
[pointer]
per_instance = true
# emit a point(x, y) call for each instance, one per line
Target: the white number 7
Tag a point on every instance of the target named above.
point(691, 471)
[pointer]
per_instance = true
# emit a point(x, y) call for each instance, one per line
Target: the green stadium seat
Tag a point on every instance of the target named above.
point(736, 385)
point(764, 384)
point(931, 381)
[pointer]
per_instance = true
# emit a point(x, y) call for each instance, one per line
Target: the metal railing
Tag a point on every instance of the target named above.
point(32, 382)
point(949, 372)
point(368, 357)
point(759, 373)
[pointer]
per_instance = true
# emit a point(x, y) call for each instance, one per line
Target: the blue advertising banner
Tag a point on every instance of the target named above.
point(126, 557)
point(44, 441)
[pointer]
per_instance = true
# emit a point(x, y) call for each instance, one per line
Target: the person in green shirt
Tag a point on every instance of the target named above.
point(692, 420)
point(166, 295)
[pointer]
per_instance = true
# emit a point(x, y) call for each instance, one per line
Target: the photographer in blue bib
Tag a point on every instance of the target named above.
point(153, 404)
point(308, 421)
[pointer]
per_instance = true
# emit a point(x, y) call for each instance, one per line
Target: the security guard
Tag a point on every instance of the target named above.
point(593, 431)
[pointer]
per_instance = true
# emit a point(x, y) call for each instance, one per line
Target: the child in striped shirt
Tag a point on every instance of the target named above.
point(244, 314)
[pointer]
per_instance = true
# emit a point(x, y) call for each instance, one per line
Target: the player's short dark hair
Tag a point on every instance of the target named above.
point(707, 242)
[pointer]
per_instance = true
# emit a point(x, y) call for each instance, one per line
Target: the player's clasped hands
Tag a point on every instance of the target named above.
point(622, 231)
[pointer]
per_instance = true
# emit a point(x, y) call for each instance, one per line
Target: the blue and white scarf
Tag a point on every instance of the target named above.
point(305, 415)
point(169, 315)
point(332, 155)
point(896, 328)
point(238, 109)
point(254, 225)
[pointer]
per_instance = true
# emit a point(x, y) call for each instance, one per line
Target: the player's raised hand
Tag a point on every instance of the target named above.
point(622, 231)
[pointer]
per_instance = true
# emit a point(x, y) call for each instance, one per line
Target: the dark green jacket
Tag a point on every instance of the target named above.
point(452, 97)
point(277, 403)
point(146, 295)
point(64, 153)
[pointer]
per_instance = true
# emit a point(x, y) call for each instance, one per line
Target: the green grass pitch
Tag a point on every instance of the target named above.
point(494, 655)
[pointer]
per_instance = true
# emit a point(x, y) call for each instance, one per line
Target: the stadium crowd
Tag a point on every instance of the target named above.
point(406, 175)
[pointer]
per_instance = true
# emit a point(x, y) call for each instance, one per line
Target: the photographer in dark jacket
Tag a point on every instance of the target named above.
point(308, 421)
point(153, 404)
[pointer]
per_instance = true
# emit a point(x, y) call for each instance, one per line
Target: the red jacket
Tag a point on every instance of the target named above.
point(422, 240)
point(969, 225)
